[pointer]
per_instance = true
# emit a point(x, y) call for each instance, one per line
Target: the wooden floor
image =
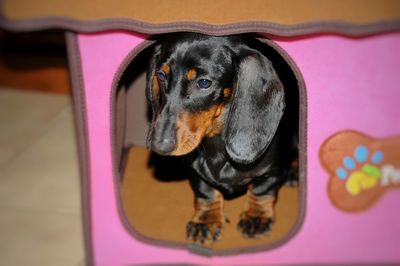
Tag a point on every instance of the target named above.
point(40, 206)
point(40, 221)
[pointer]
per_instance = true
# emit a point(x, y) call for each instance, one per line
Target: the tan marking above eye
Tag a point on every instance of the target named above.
point(191, 74)
point(166, 69)
point(227, 93)
point(155, 90)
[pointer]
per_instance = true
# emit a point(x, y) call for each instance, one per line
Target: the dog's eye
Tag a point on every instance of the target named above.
point(204, 84)
point(161, 76)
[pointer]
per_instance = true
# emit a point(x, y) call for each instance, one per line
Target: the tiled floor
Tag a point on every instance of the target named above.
point(40, 216)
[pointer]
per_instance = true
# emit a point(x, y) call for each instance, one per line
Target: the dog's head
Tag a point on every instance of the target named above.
point(201, 86)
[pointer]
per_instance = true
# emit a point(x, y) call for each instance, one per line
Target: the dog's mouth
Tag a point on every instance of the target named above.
point(188, 143)
point(191, 128)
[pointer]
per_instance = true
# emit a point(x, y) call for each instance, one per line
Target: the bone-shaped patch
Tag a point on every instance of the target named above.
point(361, 169)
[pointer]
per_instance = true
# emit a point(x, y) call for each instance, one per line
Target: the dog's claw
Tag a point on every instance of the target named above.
point(217, 235)
point(202, 232)
point(254, 227)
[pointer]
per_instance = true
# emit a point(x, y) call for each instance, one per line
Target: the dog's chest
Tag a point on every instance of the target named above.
point(214, 166)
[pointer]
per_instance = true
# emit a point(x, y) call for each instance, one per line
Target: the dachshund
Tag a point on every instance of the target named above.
point(220, 99)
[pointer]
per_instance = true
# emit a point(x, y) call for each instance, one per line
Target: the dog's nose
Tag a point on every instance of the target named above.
point(163, 146)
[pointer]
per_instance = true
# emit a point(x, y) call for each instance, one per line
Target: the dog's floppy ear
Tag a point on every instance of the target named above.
point(256, 109)
point(153, 92)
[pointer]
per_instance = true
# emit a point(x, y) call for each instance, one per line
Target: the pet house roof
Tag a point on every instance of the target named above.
point(283, 17)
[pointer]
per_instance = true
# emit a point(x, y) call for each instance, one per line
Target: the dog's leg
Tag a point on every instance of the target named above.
point(292, 175)
point(258, 216)
point(208, 219)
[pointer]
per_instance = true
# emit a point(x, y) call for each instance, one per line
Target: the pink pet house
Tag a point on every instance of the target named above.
point(342, 58)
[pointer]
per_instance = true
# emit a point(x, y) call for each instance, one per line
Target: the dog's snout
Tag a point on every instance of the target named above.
point(163, 146)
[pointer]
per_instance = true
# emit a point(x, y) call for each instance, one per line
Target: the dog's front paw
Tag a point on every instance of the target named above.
point(207, 221)
point(257, 218)
point(254, 227)
point(203, 232)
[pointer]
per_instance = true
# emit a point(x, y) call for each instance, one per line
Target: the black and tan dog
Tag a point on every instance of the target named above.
point(222, 100)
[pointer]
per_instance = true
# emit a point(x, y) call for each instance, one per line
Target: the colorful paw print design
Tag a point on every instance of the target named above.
point(361, 169)
point(367, 176)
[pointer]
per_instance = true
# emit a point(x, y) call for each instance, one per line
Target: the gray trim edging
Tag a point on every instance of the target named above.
point(268, 27)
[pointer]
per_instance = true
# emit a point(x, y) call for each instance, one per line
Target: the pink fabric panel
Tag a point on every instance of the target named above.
point(351, 84)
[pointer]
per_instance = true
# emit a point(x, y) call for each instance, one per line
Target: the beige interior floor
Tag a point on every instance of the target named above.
point(40, 217)
point(159, 210)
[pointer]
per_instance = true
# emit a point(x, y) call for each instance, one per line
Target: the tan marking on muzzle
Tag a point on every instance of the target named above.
point(192, 127)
